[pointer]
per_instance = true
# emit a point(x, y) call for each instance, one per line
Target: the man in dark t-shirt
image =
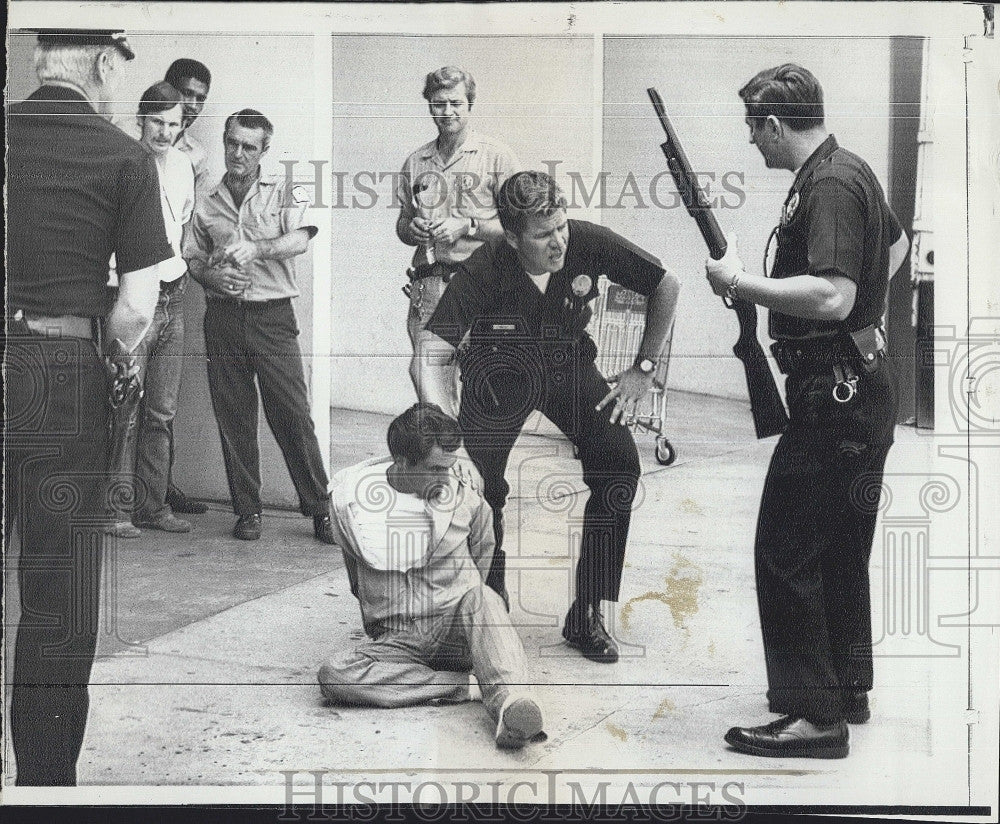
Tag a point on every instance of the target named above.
point(525, 304)
point(79, 190)
point(838, 245)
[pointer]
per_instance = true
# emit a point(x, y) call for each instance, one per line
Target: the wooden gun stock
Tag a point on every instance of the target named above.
point(769, 416)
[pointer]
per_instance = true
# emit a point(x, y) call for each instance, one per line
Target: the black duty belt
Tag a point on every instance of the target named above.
point(56, 326)
point(864, 349)
point(811, 354)
point(846, 354)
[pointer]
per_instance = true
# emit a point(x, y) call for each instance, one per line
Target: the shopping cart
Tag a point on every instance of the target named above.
point(617, 326)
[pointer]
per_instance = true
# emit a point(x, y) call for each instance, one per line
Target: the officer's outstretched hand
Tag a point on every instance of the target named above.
point(629, 388)
point(720, 273)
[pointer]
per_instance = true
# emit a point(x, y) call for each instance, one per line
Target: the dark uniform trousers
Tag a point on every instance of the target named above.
point(814, 537)
point(560, 380)
point(245, 340)
point(55, 464)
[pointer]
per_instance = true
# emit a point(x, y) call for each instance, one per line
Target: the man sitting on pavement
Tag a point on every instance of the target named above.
point(417, 538)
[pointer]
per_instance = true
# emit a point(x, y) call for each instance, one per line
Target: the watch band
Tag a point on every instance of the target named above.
point(644, 365)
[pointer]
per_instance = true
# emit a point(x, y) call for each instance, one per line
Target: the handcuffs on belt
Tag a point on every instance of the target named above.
point(869, 347)
point(846, 385)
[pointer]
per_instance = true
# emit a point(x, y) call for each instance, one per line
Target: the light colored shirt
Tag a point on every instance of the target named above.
point(271, 208)
point(407, 557)
point(177, 203)
point(465, 186)
point(199, 159)
point(177, 200)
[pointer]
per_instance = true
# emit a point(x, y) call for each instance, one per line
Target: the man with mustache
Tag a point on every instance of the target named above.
point(160, 356)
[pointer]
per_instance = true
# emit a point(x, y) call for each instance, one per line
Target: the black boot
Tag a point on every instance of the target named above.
point(584, 629)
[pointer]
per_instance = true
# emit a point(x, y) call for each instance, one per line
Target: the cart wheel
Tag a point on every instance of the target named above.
point(665, 452)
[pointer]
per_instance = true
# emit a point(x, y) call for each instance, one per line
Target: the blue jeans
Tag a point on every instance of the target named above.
point(150, 449)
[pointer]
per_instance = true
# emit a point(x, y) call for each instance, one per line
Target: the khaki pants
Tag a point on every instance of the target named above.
point(429, 659)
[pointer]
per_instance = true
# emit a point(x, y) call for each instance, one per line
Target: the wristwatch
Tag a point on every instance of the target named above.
point(645, 365)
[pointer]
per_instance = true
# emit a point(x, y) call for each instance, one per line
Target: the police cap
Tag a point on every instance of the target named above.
point(86, 37)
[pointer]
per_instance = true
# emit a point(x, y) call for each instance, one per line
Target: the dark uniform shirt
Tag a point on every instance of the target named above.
point(493, 296)
point(836, 222)
point(79, 189)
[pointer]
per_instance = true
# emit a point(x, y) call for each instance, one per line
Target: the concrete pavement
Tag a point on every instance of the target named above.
point(207, 665)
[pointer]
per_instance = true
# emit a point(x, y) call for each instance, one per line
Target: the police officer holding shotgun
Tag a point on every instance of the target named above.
point(838, 244)
point(79, 190)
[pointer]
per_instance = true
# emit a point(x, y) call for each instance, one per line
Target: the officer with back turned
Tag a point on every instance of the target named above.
point(838, 244)
point(79, 190)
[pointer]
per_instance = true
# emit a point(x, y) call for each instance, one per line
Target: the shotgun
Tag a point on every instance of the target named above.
point(769, 417)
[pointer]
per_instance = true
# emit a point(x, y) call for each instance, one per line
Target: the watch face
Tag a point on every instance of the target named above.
point(646, 365)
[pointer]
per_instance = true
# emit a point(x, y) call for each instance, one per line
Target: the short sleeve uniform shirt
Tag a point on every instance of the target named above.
point(464, 186)
point(79, 191)
point(271, 208)
point(836, 222)
point(492, 296)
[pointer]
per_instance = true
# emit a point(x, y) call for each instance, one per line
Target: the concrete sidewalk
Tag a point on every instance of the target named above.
point(207, 674)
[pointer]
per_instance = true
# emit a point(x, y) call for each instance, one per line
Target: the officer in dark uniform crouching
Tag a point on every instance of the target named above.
point(838, 244)
point(78, 190)
point(525, 304)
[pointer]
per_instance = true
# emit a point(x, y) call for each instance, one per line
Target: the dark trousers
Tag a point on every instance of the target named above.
point(55, 483)
point(245, 341)
point(814, 539)
point(561, 381)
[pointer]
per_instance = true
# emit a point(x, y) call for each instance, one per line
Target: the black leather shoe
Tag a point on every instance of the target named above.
point(247, 527)
point(323, 529)
point(856, 709)
point(792, 737)
point(584, 629)
point(179, 502)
